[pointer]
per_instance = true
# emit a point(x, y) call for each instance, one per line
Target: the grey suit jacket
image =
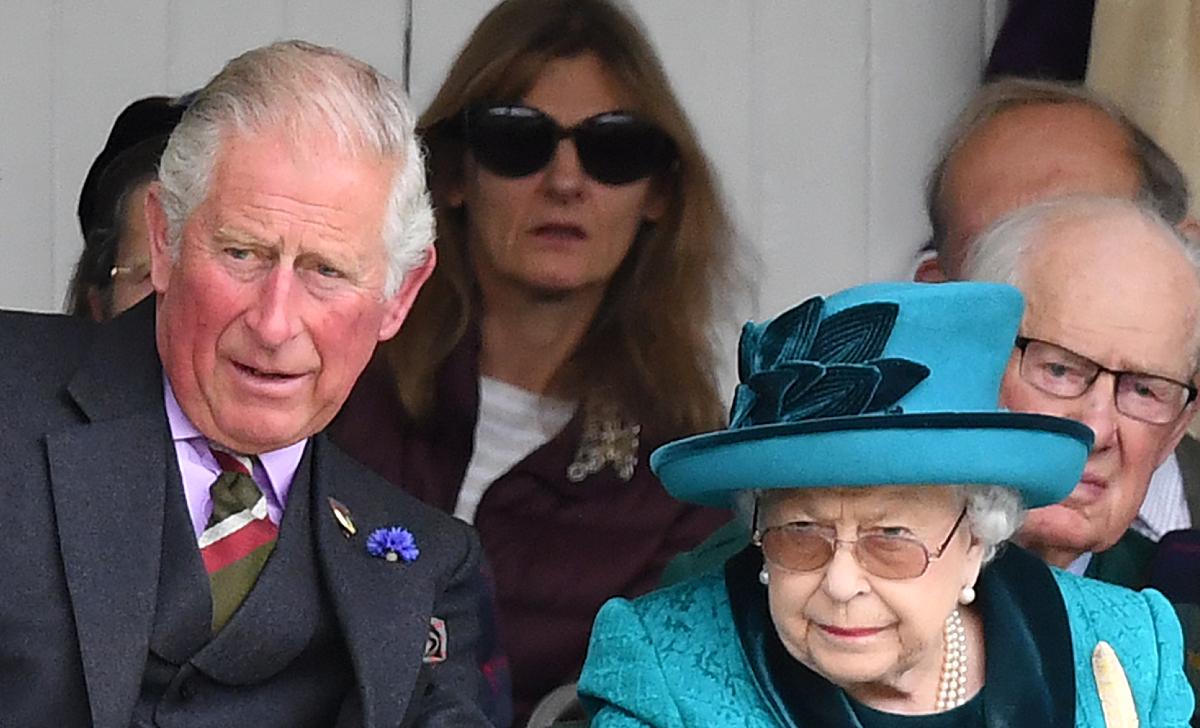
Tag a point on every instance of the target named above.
point(84, 453)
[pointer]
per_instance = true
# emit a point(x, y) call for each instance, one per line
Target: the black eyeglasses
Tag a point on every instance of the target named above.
point(615, 147)
point(806, 547)
point(1062, 373)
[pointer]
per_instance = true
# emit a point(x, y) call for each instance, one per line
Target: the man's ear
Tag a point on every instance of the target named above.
point(398, 306)
point(160, 245)
point(1189, 228)
point(929, 271)
point(1178, 430)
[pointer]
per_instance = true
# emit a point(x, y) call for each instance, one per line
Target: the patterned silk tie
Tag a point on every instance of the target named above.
point(239, 536)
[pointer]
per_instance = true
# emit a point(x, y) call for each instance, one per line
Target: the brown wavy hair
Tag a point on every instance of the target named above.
point(649, 348)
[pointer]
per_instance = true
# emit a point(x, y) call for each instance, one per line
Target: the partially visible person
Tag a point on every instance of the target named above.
point(1111, 337)
point(1023, 141)
point(582, 245)
point(1139, 55)
point(113, 271)
point(881, 480)
point(1043, 40)
point(1019, 141)
point(183, 545)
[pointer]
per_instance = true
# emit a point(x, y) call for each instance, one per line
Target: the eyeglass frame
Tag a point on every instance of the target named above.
point(141, 269)
point(757, 540)
point(1022, 343)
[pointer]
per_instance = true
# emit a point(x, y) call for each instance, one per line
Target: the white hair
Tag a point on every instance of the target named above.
point(1000, 254)
point(299, 86)
point(994, 513)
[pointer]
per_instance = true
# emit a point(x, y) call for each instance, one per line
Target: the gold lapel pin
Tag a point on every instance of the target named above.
point(342, 514)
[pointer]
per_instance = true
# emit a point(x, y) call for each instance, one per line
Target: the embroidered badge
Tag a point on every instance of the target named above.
point(393, 544)
point(435, 642)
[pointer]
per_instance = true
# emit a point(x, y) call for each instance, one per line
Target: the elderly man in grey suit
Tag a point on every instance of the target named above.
point(182, 546)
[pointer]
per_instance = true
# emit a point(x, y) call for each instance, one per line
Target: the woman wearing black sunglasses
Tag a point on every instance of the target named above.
point(582, 251)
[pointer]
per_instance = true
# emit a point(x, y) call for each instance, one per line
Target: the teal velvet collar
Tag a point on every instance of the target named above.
point(1030, 663)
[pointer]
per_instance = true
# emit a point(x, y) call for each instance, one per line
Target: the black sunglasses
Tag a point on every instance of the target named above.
point(614, 147)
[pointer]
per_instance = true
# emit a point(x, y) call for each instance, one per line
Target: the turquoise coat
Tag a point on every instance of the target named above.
point(704, 653)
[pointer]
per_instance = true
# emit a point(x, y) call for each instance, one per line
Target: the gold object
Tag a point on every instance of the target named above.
point(342, 514)
point(607, 440)
point(1116, 698)
point(139, 271)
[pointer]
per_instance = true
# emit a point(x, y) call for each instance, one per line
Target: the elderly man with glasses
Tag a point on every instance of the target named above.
point(1110, 337)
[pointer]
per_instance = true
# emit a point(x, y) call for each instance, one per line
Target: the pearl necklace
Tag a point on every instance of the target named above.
point(952, 685)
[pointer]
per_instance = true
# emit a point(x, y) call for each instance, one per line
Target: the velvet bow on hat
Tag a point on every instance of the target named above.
point(883, 384)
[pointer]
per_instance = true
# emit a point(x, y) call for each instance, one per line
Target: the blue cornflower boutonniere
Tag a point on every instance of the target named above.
point(393, 543)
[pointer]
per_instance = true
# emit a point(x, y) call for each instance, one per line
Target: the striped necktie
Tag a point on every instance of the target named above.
point(239, 537)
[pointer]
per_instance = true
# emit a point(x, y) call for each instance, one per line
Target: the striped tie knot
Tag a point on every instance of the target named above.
point(235, 489)
point(239, 537)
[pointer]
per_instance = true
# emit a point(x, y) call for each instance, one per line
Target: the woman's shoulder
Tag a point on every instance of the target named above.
point(1143, 631)
point(1141, 621)
point(697, 603)
point(671, 657)
point(1104, 603)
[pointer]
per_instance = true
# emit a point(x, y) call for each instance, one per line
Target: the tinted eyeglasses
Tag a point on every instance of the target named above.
point(1062, 373)
point(614, 147)
point(807, 547)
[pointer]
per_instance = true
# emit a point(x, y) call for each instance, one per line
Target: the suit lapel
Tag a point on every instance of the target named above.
point(107, 476)
point(382, 607)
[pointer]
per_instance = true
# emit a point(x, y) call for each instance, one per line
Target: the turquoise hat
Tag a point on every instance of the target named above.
point(883, 384)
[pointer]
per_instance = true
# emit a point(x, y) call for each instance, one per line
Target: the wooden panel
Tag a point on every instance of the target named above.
point(919, 80)
point(708, 57)
point(26, 165)
point(202, 36)
point(372, 30)
point(809, 112)
point(440, 30)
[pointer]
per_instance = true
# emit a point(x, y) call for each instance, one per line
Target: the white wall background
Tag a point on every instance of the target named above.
point(822, 116)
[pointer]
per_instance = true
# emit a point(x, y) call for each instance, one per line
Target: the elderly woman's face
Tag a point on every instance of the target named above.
point(556, 230)
point(857, 629)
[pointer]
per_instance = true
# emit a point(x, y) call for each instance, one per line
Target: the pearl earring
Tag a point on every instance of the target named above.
point(764, 578)
point(966, 596)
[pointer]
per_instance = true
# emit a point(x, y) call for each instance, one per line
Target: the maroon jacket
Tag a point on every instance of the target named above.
point(558, 549)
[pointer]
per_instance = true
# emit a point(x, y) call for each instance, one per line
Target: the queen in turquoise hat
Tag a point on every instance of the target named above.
point(880, 482)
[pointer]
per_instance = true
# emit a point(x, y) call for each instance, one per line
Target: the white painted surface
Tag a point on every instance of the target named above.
point(821, 117)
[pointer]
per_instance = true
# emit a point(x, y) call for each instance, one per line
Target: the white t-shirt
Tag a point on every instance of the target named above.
point(513, 422)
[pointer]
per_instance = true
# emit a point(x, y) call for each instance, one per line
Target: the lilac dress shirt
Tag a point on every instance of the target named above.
point(198, 468)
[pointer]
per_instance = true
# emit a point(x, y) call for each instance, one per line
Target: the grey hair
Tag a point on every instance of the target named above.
point(1164, 187)
point(299, 86)
point(994, 513)
point(1000, 252)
